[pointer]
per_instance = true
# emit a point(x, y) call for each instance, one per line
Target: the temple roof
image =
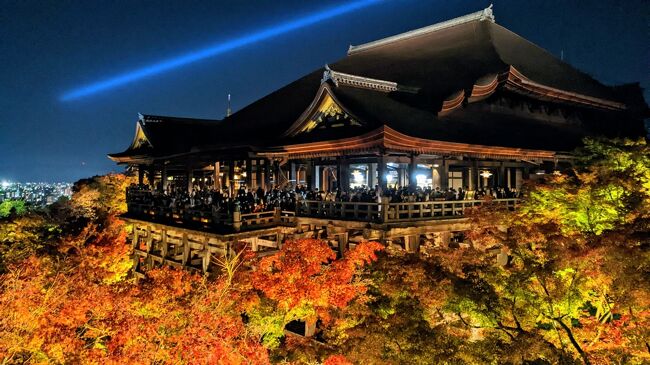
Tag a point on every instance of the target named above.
point(424, 83)
point(158, 136)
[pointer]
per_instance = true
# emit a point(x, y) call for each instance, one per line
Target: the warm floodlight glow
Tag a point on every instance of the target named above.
point(358, 177)
point(486, 174)
point(215, 49)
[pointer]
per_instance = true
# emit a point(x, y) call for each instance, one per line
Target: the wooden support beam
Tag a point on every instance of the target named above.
point(151, 175)
point(316, 178)
point(475, 177)
point(140, 174)
point(136, 236)
point(236, 219)
point(206, 256)
point(444, 174)
point(190, 177)
point(343, 243)
point(293, 176)
point(149, 244)
point(413, 165)
point(412, 243)
point(372, 175)
point(310, 327)
point(216, 176)
point(381, 171)
point(501, 176)
point(310, 174)
point(249, 174)
point(163, 178)
point(164, 246)
point(231, 177)
point(186, 250)
point(267, 174)
point(259, 174)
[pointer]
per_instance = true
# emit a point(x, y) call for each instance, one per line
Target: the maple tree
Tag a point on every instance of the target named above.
point(574, 286)
point(304, 281)
point(577, 279)
point(67, 297)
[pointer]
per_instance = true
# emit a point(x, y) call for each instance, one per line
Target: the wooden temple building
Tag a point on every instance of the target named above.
point(463, 103)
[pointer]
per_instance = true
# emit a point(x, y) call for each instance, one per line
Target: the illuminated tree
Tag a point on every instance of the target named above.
point(578, 273)
point(305, 282)
point(9, 207)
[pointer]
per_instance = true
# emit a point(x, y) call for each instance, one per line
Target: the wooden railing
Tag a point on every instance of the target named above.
point(339, 210)
point(383, 212)
point(437, 209)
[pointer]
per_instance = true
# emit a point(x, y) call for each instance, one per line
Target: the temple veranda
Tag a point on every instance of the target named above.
point(393, 143)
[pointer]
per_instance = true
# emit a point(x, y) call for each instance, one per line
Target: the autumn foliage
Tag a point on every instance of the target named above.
point(67, 295)
point(571, 285)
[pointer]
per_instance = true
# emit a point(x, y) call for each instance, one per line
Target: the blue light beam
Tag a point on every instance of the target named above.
point(215, 49)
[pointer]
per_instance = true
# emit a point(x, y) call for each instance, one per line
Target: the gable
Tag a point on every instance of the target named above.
point(140, 140)
point(325, 112)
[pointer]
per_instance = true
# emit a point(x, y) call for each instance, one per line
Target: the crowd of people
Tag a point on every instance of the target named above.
point(261, 200)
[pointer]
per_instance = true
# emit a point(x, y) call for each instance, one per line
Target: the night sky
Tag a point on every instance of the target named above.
point(48, 48)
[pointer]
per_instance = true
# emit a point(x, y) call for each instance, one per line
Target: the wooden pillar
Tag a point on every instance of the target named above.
point(216, 176)
point(190, 177)
point(339, 175)
point(343, 174)
point(231, 177)
point(152, 177)
point(249, 174)
point(276, 173)
point(465, 176)
point(501, 175)
point(236, 218)
point(186, 250)
point(381, 171)
point(413, 166)
point(164, 246)
point(442, 239)
point(444, 175)
point(343, 244)
point(135, 242)
point(267, 174)
point(401, 176)
point(316, 183)
point(140, 174)
point(346, 175)
point(475, 175)
point(259, 180)
point(310, 179)
point(372, 175)
point(412, 243)
point(163, 178)
point(310, 327)
point(293, 176)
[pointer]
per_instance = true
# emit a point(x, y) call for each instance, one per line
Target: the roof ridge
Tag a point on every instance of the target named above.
point(160, 118)
point(481, 15)
point(363, 82)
